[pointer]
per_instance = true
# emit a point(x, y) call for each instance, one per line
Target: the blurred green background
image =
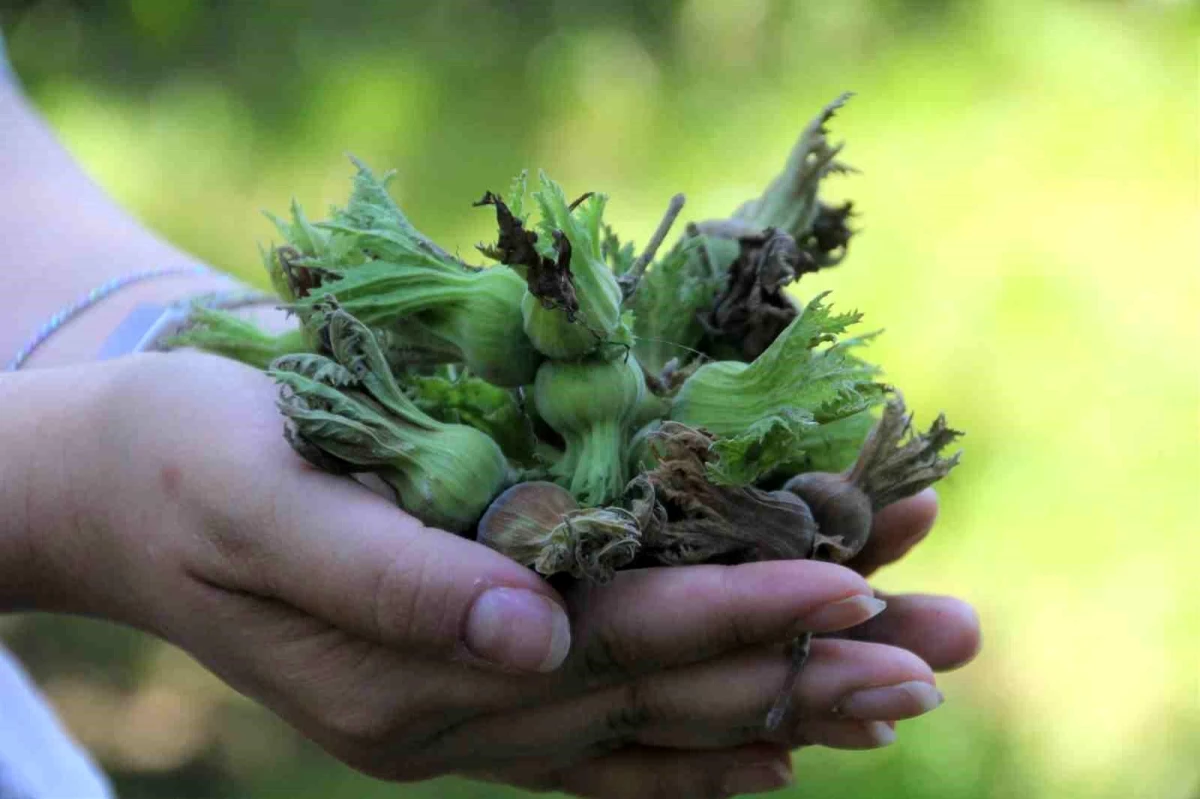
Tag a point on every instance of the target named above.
point(1029, 206)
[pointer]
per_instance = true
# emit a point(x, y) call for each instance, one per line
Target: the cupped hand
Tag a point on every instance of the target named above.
point(409, 653)
point(857, 683)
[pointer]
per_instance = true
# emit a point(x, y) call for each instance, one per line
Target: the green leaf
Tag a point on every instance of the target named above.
point(596, 294)
point(590, 215)
point(318, 247)
point(766, 444)
point(829, 447)
point(275, 273)
point(316, 367)
point(515, 199)
point(299, 231)
point(224, 333)
point(384, 244)
point(792, 403)
point(355, 347)
point(371, 206)
point(789, 203)
point(619, 257)
point(336, 422)
point(373, 221)
point(477, 403)
point(581, 226)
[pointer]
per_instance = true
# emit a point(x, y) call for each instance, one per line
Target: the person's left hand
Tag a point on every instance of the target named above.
point(677, 737)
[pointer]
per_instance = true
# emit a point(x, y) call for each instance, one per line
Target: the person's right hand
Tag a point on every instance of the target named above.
point(410, 653)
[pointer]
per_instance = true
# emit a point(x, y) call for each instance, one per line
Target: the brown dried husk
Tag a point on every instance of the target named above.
point(687, 519)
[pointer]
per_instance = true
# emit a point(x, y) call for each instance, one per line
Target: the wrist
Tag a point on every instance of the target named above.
point(81, 339)
point(44, 430)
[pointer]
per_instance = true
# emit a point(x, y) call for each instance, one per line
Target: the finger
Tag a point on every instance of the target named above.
point(652, 619)
point(343, 554)
point(850, 735)
point(640, 772)
point(942, 631)
point(839, 689)
point(711, 705)
point(895, 530)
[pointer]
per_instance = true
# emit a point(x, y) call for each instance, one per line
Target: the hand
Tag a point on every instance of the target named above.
point(941, 631)
point(411, 653)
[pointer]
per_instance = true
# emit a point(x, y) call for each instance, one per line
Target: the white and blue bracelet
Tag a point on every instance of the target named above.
point(148, 324)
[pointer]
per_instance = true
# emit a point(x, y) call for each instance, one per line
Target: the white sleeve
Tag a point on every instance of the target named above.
point(38, 759)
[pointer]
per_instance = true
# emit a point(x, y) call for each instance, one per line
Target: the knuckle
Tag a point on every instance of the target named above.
point(408, 602)
point(236, 542)
point(737, 628)
point(619, 645)
point(605, 657)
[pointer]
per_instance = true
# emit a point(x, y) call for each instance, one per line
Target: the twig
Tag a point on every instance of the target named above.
point(798, 649)
point(629, 281)
point(579, 201)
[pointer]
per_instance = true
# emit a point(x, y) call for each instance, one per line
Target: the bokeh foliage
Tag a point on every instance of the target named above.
point(1029, 208)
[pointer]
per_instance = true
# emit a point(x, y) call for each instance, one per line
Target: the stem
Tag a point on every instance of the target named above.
point(651, 406)
point(224, 333)
point(629, 281)
point(594, 465)
point(798, 649)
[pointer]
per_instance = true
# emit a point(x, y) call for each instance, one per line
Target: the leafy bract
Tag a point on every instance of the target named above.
point(789, 203)
point(477, 403)
point(770, 413)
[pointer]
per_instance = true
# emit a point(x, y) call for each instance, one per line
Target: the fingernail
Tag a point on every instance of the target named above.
point(757, 778)
point(881, 732)
point(518, 629)
point(841, 614)
point(891, 702)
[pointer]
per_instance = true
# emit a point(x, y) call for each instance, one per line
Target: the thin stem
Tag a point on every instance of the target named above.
point(798, 650)
point(578, 202)
point(629, 281)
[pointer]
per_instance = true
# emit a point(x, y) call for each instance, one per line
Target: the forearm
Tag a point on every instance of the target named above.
point(62, 237)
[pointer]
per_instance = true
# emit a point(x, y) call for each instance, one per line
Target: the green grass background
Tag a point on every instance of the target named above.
point(1028, 198)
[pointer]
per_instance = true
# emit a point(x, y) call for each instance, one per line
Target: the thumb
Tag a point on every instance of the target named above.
point(346, 555)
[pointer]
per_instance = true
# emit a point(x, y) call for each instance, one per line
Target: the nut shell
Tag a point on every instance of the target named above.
point(518, 521)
